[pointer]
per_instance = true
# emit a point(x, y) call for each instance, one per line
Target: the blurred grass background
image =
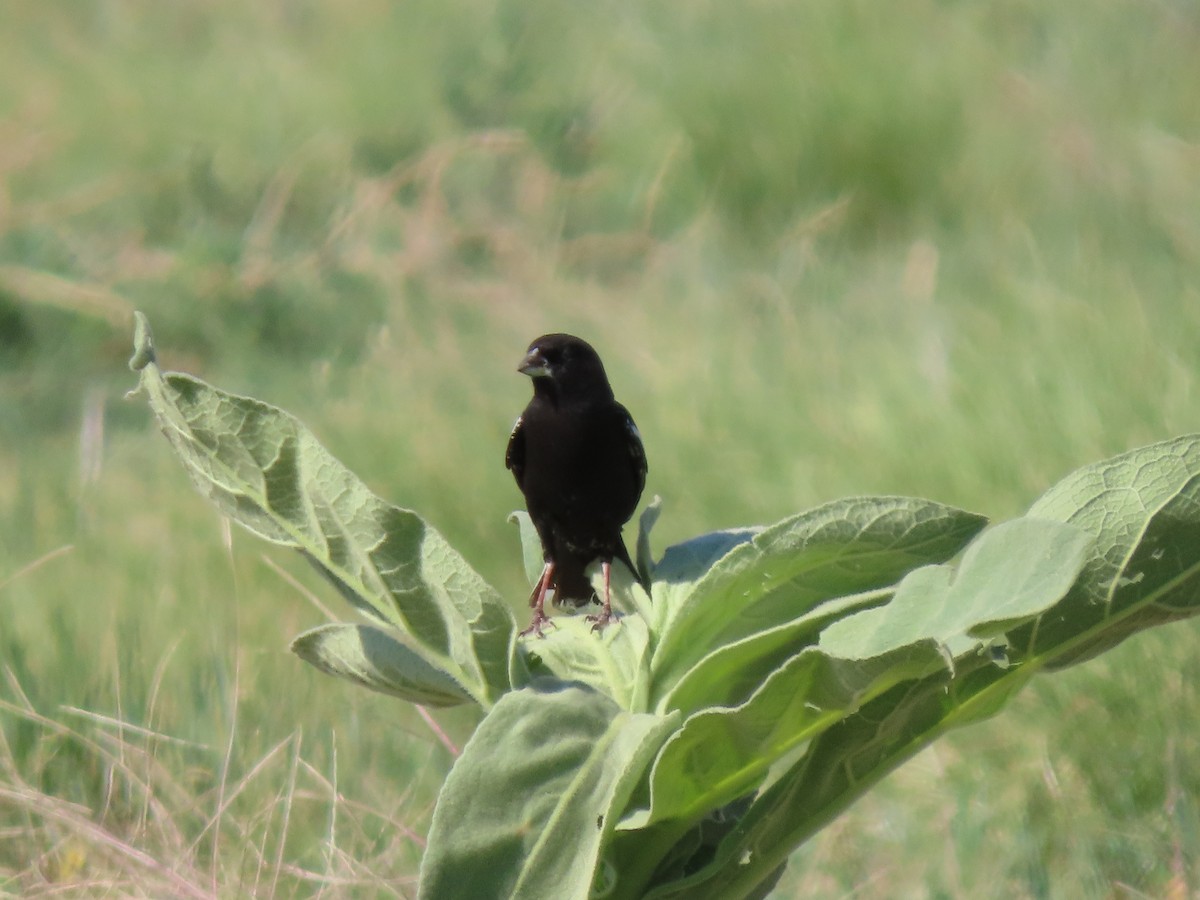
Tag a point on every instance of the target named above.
point(838, 247)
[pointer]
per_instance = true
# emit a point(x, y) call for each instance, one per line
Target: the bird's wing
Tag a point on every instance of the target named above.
point(637, 453)
point(514, 455)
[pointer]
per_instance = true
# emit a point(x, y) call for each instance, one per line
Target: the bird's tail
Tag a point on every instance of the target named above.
point(623, 555)
point(572, 585)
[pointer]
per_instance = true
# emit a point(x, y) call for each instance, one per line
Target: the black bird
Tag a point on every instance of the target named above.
point(579, 461)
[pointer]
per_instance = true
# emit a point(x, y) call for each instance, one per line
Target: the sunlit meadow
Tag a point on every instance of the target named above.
point(948, 250)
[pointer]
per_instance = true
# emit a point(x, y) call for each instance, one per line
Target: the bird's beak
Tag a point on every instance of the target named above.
point(534, 364)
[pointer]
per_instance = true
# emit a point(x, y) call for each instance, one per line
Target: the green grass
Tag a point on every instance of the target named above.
point(825, 249)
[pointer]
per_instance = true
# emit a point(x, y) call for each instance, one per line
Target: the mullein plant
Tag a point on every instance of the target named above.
point(767, 678)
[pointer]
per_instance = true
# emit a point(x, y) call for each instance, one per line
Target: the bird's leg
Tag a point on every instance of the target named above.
point(606, 613)
point(538, 601)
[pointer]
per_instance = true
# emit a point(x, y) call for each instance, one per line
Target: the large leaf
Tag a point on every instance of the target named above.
point(266, 471)
point(839, 765)
point(644, 558)
point(683, 565)
point(729, 674)
point(779, 573)
point(720, 754)
point(1008, 575)
point(531, 545)
point(1143, 510)
point(370, 657)
point(531, 801)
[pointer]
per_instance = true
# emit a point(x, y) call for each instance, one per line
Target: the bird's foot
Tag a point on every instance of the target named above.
point(600, 622)
point(603, 620)
point(540, 619)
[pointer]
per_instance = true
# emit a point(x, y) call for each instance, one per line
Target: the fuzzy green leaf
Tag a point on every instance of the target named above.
point(531, 545)
point(370, 657)
point(729, 674)
point(1143, 510)
point(528, 806)
point(683, 565)
point(720, 754)
point(644, 558)
point(772, 576)
point(1009, 574)
point(266, 471)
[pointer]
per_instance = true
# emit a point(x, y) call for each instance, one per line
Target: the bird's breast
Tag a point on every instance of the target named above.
point(578, 460)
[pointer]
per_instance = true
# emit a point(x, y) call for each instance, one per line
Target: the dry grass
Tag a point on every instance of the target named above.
point(154, 835)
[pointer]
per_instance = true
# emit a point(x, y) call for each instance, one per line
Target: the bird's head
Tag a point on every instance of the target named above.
point(563, 366)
